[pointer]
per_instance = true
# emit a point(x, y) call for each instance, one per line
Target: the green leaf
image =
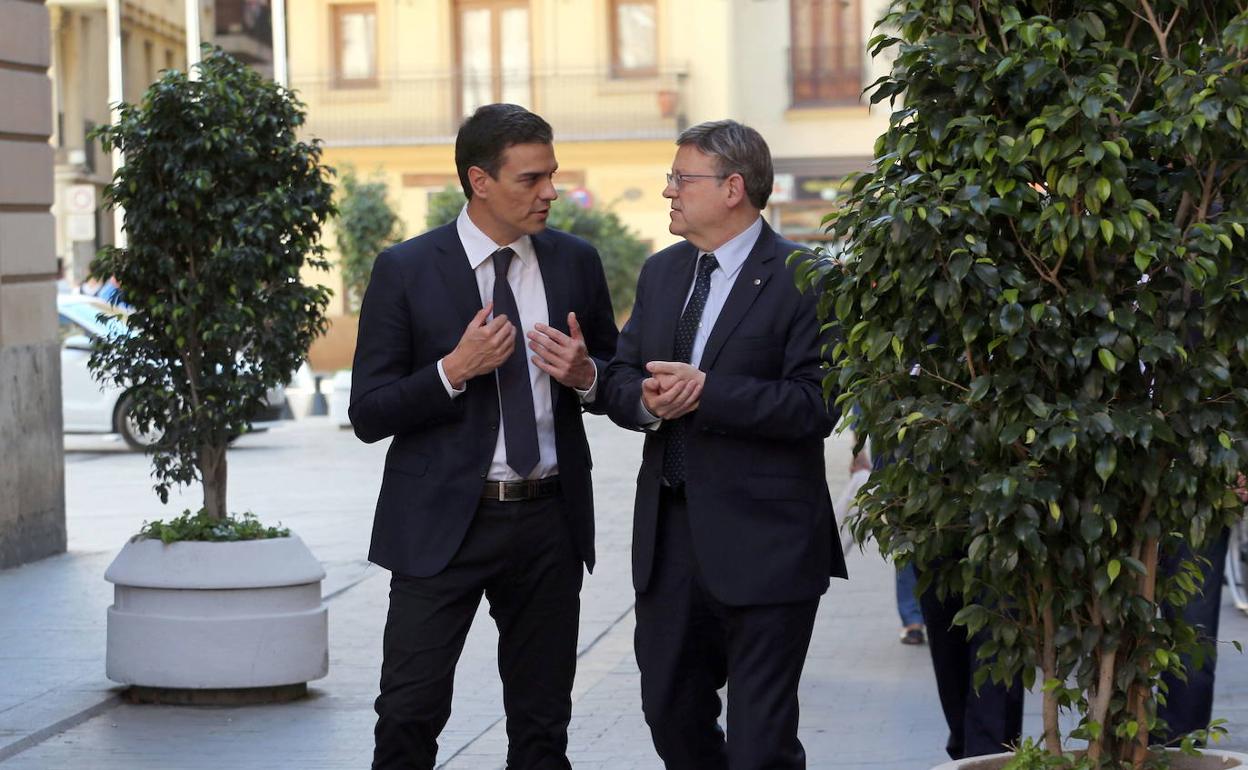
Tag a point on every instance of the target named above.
point(1036, 405)
point(1107, 359)
point(979, 387)
point(1106, 461)
point(1107, 230)
point(1011, 318)
point(1055, 510)
point(1113, 569)
point(1101, 189)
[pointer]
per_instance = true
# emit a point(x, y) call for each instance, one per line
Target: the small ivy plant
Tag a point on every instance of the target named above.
point(203, 527)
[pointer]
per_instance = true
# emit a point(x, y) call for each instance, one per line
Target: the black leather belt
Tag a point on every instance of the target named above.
point(516, 491)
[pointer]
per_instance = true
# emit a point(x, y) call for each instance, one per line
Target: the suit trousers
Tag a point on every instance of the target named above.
point(521, 557)
point(1189, 705)
point(983, 722)
point(689, 645)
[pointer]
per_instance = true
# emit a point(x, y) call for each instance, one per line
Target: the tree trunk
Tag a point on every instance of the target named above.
point(1099, 707)
point(212, 471)
point(1048, 665)
point(1148, 589)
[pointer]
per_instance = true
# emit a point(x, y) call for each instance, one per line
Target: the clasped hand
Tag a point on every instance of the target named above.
point(673, 390)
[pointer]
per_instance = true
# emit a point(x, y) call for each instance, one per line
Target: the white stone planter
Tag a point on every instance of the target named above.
point(217, 616)
point(1210, 759)
point(340, 399)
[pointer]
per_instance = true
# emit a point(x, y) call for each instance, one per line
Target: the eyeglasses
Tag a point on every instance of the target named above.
point(677, 180)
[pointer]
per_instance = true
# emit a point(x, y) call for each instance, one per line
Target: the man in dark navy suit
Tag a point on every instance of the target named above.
point(480, 343)
point(734, 538)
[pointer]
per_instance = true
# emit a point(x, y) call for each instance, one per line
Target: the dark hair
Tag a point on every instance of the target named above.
point(737, 149)
point(489, 131)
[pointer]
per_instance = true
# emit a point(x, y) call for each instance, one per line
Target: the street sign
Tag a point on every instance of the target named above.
point(80, 227)
point(80, 199)
point(581, 197)
point(782, 188)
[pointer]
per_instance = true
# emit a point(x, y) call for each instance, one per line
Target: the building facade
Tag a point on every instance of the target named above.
point(32, 489)
point(153, 38)
point(387, 83)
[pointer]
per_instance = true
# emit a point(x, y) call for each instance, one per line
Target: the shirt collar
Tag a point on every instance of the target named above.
point(479, 247)
point(731, 256)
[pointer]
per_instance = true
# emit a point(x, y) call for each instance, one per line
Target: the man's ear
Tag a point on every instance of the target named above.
point(736, 189)
point(477, 178)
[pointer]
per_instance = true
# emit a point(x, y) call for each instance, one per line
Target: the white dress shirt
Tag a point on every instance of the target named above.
point(731, 258)
point(525, 277)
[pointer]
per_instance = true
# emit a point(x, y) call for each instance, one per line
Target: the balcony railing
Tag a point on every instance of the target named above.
point(428, 109)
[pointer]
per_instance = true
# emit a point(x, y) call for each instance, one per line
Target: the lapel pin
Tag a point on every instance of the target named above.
point(757, 281)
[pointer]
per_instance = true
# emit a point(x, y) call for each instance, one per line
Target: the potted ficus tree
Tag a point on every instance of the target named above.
point(223, 208)
point(1041, 290)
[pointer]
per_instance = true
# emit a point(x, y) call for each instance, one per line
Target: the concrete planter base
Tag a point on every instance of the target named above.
point(1210, 759)
point(244, 616)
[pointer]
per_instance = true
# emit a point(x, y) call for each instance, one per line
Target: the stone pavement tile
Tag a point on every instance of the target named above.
point(51, 643)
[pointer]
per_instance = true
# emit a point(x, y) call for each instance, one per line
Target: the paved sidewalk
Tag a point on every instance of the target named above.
point(868, 702)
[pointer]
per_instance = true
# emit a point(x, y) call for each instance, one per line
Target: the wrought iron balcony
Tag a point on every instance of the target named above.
point(427, 109)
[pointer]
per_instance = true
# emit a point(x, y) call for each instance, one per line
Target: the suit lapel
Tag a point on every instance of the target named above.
point(556, 280)
point(461, 285)
point(671, 302)
point(750, 282)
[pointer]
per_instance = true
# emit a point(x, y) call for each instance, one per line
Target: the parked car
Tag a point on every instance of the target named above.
point(93, 407)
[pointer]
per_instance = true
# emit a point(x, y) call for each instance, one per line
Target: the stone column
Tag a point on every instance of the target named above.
point(32, 467)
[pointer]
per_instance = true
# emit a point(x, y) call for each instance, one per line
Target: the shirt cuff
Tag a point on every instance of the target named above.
point(646, 418)
point(589, 394)
point(450, 391)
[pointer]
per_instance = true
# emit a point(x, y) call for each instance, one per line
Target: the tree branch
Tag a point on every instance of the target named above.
point(1151, 19)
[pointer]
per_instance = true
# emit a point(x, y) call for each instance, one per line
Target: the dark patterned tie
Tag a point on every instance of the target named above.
point(514, 389)
point(686, 331)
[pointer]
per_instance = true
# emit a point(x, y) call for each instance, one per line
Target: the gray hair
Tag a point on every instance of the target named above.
point(737, 149)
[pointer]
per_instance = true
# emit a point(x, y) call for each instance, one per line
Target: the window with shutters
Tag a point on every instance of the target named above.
point(826, 56)
point(355, 45)
point(634, 38)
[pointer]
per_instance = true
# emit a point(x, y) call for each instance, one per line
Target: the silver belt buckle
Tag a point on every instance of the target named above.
point(502, 493)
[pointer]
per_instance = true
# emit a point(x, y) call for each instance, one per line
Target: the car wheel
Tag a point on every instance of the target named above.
point(128, 427)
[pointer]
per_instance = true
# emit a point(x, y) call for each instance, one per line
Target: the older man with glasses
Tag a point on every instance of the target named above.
point(734, 537)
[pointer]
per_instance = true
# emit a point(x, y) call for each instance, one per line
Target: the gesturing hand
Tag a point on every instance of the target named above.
point(673, 390)
point(482, 348)
point(564, 357)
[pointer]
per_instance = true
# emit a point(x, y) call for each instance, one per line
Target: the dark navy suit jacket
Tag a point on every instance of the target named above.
point(420, 298)
point(759, 508)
